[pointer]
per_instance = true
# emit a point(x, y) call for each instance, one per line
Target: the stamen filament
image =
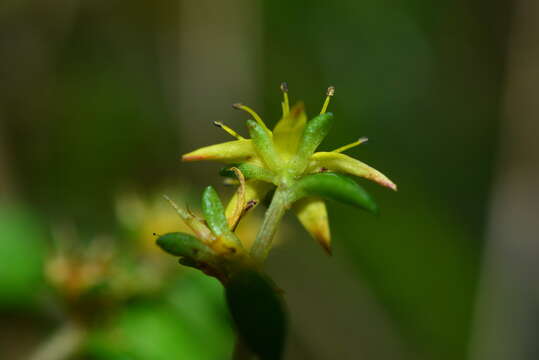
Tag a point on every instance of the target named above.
point(228, 130)
point(329, 93)
point(351, 145)
point(240, 203)
point(285, 104)
point(195, 224)
point(183, 214)
point(251, 112)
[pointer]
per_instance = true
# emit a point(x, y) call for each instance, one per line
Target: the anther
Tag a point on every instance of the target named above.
point(256, 117)
point(329, 93)
point(228, 130)
point(285, 104)
point(250, 204)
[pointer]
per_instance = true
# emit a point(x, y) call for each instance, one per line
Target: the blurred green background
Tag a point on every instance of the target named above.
point(98, 99)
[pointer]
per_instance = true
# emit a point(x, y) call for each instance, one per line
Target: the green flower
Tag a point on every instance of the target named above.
point(285, 158)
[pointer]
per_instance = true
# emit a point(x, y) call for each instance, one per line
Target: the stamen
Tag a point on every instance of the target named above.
point(228, 130)
point(285, 104)
point(351, 145)
point(329, 93)
point(250, 204)
point(251, 112)
point(234, 220)
point(183, 214)
point(230, 182)
point(193, 222)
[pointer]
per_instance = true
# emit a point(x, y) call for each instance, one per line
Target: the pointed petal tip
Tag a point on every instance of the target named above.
point(321, 235)
point(390, 185)
point(327, 248)
point(193, 157)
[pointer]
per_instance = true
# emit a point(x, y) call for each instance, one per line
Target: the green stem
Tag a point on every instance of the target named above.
point(275, 212)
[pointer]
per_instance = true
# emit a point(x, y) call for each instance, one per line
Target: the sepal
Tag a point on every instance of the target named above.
point(250, 171)
point(336, 187)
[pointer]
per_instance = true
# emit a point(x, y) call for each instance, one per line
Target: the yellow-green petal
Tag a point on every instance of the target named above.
point(228, 152)
point(255, 191)
point(288, 131)
point(312, 214)
point(338, 162)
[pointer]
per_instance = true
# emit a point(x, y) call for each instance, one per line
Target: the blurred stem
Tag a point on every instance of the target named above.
point(275, 212)
point(62, 344)
point(241, 352)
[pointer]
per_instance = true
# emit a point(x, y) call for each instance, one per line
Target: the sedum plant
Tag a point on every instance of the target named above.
point(280, 168)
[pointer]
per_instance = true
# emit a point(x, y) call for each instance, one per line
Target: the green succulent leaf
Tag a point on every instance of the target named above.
point(336, 187)
point(314, 133)
point(264, 146)
point(184, 245)
point(258, 311)
point(214, 212)
point(250, 171)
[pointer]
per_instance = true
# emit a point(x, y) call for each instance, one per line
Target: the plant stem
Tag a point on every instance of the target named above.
point(63, 343)
point(273, 216)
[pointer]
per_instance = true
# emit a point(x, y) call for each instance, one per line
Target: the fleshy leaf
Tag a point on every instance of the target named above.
point(342, 163)
point(228, 152)
point(184, 245)
point(314, 133)
point(250, 171)
point(215, 217)
point(259, 313)
point(213, 211)
point(288, 131)
point(263, 144)
point(312, 214)
point(336, 187)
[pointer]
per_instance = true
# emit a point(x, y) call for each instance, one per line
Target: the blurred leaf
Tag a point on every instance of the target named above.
point(183, 327)
point(421, 266)
point(21, 256)
point(200, 301)
point(259, 313)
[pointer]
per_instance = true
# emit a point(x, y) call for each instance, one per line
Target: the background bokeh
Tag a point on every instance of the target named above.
point(98, 100)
